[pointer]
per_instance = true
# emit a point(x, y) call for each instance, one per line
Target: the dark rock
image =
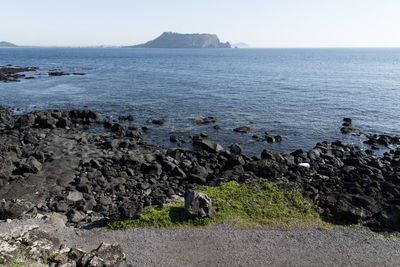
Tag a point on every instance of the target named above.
point(348, 120)
point(266, 154)
point(347, 130)
point(197, 179)
point(58, 73)
point(14, 209)
point(236, 149)
point(278, 138)
point(173, 139)
point(126, 118)
point(75, 216)
point(270, 139)
point(206, 120)
point(159, 122)
point(199, 205)
point(257, 137)
point(118, 128)
point(243, 129)
point(216, 127)
point(390, 217)
point(107, 124)
point(11, 74)
point(208, 146)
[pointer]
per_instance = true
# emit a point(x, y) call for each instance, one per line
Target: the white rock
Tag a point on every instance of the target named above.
point(305, 165)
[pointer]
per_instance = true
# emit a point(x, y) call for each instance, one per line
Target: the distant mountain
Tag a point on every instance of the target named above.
point(7, 44)
point(240, 45)
point(178, 40)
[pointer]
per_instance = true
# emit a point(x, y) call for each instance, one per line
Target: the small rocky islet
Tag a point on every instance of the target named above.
point(11, 73)
point(51, 163)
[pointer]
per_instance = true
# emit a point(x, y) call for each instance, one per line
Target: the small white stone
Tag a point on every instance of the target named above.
point(305, 165)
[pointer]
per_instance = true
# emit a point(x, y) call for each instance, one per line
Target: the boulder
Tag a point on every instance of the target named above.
point(236, 149)
point(208, 146)
point(75, 196)
point(199, 205)
point(110, 254)
point(14, 209)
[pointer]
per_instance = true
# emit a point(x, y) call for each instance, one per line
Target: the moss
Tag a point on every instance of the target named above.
point(389, 237)
point(51, 258)
point(255, 205)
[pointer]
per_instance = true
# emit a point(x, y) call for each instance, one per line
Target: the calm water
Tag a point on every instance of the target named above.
point(300, 94)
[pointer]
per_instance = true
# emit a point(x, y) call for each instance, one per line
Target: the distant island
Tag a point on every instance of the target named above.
point(178, 40)
point(7, 44)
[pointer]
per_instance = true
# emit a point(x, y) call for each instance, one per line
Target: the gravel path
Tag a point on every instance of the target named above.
point(226, 246)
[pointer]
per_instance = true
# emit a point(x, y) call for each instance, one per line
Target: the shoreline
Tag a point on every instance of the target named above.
point(54, 169)
point(115, 173)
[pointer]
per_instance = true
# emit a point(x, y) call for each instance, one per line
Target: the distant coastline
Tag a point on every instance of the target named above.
point(5, 44)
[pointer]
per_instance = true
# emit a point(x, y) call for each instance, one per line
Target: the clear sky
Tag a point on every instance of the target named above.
point(260, 23)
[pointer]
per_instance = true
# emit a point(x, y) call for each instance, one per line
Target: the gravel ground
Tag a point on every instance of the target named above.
point(224, 245)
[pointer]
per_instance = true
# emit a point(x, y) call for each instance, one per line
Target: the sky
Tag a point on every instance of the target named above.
point(259, 23)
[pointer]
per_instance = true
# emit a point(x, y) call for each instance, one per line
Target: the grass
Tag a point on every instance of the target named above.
point(256, 205)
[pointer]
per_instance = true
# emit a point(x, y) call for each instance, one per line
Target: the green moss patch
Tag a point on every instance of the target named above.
point(255, 205)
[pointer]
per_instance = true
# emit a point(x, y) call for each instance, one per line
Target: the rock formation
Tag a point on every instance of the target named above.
point(178, 40)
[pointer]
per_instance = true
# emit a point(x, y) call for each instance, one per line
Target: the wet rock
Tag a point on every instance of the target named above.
point(58, 73)
point(269, 139)
point(204, 135)
point(347, 130)
point(242, 129)
point(258, 138)
point(199, 205)
point(173, 139)
point(12, 74)
point(347, 126)
point(158, 122)
point(126, 118)
point(206, 120)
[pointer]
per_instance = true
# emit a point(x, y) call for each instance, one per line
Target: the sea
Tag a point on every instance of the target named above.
point(299, 94)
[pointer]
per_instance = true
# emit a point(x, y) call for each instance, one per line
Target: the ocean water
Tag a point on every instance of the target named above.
point(300, 94)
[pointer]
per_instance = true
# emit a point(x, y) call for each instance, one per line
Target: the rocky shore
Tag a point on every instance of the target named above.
point(52, 163)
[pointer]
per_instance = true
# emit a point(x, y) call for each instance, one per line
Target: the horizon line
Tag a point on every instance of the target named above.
point(250, 47)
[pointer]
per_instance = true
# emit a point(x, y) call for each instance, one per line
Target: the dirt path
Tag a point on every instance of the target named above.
point(227, 246)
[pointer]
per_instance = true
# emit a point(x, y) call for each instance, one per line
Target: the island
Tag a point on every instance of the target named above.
point(7, 44)
point(178, 40)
